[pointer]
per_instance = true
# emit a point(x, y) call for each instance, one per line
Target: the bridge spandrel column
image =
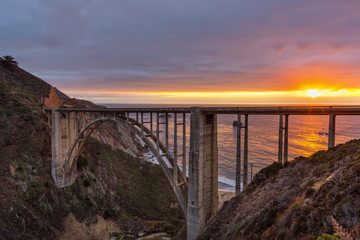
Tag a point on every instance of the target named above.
point(203, 172)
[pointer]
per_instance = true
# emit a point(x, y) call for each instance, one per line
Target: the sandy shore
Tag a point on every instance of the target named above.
point(225, 196)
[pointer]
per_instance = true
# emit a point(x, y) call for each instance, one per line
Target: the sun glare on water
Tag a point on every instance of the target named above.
point(314, 93)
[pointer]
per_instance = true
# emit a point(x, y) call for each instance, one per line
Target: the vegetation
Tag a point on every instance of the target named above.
point(9, 63)
point(129, 192)
point(300, 200)
point(341, 233)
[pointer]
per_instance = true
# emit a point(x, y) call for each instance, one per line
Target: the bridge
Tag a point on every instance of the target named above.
point(197, 193)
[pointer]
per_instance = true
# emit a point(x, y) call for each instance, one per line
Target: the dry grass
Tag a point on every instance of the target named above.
point(343, 234)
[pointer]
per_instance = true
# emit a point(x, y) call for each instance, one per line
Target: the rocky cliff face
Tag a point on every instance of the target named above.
point(115, 191)
point(296, 201)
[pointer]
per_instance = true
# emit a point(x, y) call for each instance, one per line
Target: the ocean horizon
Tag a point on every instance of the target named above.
point(307, 135)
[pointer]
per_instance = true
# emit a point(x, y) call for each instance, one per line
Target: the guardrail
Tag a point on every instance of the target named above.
point(285, 110)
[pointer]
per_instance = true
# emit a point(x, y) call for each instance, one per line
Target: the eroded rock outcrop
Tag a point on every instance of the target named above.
point(53, 100)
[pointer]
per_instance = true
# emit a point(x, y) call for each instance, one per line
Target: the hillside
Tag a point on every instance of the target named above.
point(117, 192)
point(296, 201)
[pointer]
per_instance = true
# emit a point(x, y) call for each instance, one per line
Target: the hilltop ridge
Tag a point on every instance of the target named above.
point(297, 200)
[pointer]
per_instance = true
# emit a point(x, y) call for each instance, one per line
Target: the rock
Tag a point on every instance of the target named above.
point(53, 100)
point(12, 170)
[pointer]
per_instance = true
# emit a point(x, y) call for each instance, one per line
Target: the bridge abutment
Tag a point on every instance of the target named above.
point(203, 172)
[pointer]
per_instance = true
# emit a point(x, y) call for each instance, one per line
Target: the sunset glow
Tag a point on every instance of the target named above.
point(314, 93)
point(263, 94)
point(349, 96)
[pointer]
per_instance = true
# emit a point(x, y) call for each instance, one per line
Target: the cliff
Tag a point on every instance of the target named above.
point(116, 193)
point(297, 201)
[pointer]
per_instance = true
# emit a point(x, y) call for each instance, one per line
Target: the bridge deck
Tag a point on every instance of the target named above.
point(296, 110)
point(286, 110)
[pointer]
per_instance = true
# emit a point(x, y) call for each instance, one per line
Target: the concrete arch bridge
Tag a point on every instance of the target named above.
point(197, 193)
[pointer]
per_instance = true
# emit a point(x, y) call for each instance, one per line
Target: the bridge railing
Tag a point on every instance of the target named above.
point(289, 110)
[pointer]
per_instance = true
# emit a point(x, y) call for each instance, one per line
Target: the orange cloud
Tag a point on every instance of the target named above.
point(321, 76)
point(314, 96)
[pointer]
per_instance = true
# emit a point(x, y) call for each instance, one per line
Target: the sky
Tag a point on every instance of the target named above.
point(189, 51)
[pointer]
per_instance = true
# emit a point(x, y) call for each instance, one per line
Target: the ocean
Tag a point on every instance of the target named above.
point(307, 135)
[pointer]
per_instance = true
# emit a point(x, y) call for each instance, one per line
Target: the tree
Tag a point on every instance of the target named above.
point(9, 62)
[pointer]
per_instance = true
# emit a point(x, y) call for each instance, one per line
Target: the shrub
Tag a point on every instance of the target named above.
point(81, 162)
point(328, 237)
point(110, 213)
point(87, 183)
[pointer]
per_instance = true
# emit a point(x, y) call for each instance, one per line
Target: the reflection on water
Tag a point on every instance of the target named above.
point(305, 138)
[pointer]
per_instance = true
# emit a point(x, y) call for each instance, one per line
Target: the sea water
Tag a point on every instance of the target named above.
point(307, 135)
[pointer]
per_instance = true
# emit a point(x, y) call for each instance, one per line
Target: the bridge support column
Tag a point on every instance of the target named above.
point(280, 145)
point(63, 135)
point(331, 140)
point(286, 139)
point(203, 172)
point(238, 156)
point(246, 150)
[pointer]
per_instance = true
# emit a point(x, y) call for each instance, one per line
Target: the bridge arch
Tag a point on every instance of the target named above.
point(69, 170)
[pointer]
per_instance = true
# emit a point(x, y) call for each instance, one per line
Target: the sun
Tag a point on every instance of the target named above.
point(314, 93)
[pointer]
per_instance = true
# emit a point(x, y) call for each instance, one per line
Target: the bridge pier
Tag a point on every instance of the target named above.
point(238, 156)
point(203, 172)
point(64, 132)
point(286, 138)
point(331, 140)
point(280, 145)
point(283, 144)
point(246, 150)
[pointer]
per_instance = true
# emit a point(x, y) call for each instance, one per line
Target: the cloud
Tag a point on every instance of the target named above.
point(186, 45)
